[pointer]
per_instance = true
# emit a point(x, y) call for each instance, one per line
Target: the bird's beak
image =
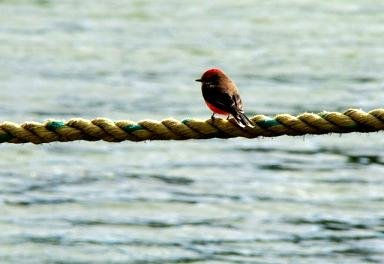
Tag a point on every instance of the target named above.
point(199, 80)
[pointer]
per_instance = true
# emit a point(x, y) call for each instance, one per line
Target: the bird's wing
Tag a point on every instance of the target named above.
point(239, 104)
point(223, 101)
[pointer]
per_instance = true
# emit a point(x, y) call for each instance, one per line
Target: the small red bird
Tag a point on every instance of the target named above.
point(222, 97)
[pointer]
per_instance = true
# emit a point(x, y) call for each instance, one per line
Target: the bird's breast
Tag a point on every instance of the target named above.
point(216, 110)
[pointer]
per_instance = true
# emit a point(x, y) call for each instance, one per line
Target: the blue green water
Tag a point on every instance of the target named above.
point(313, 199)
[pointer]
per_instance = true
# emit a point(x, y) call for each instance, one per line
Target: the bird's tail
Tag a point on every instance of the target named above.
point(242, 120)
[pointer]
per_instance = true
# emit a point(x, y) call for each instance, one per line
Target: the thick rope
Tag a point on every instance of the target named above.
point(353, 120)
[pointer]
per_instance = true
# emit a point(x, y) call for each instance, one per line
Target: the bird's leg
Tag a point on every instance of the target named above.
point(228, 117)
point(213, 117)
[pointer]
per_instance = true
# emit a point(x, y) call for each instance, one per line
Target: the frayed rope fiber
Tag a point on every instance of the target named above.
point(352, 120)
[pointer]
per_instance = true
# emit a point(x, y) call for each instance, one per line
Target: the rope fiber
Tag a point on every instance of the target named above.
point(352, 120)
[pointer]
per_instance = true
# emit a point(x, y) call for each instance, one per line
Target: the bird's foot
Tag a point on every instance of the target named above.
point(213, 117)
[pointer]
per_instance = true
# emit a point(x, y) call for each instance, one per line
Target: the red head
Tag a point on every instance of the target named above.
point(211, 74)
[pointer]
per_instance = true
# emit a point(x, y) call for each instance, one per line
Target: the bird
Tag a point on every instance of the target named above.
point(222, 96)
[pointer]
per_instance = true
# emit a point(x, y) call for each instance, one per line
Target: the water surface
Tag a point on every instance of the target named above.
point(313, 199)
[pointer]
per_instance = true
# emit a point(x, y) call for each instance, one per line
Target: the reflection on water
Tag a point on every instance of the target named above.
point(271, 200)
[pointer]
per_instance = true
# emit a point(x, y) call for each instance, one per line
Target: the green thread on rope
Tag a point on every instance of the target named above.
point(352, 127)
point(268, 123)
point(55, 125)
point(132, 128)
point(185, 121)
point(5, 137)
point(324, 114)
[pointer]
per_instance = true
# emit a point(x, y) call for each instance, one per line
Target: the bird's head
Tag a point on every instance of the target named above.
point(211, 76)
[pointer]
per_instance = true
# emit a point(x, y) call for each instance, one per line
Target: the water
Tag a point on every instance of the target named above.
point(313, 199)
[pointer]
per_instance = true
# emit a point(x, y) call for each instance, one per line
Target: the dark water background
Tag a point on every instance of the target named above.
point(314, 199)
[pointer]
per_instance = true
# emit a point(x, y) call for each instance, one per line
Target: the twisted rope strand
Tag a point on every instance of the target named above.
point(352, 120)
